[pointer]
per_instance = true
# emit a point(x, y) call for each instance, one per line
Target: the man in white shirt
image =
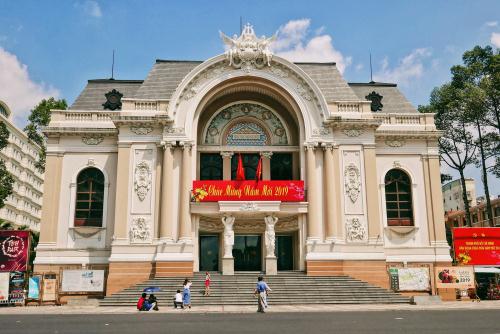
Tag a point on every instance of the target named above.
point(178, 300)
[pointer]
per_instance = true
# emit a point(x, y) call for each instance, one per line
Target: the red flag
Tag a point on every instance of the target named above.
point(240, 171)
point(258, 173)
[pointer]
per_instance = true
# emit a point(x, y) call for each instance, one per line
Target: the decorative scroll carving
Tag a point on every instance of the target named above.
point(249, 207)
point(92, 139)
point(142, 179)
point(321, 131)
point(170, 129)
point(141, 129)
point(353, 132)
point(355, 230)
point(352, 181)
point(278, 72)
point(140, 230)
point(303, 92)
point(248, 51)
point(270, 235)
point(395, 142)
point(228, 222)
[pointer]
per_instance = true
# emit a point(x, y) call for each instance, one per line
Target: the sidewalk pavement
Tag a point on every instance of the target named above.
point(465, 305)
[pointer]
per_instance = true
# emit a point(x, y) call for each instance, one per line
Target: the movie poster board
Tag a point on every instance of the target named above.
point(82, 281)
point(4, 287)
point(14, 250)
point(49, 287)
point(34, 285)
point(461, 277)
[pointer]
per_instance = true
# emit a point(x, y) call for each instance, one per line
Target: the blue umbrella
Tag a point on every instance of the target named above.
point(151, 289)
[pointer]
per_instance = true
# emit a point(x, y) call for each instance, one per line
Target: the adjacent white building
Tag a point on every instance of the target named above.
point(452, 195)
point(23, 206)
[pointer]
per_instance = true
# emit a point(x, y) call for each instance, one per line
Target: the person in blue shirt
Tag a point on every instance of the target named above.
point(261, 291)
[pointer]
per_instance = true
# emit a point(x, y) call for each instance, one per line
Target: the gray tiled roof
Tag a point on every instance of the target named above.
point(329, 80)
point(166, 75)
point(164, 78)
point(92, 97)
point(392, 99)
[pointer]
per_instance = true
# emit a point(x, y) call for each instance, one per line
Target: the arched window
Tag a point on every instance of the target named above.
point(398, 198)
point(89, 197)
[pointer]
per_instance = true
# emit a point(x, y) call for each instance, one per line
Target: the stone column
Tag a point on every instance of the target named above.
point(122, 192)
point(226, 165)
point(313, 219)
point(270, 242)
point(437, 200)
point(51, 193)
point(167, 195)
point(266, 165)
point(331, 197)
point(372, 194)
point(227, 259)
point(185, 195)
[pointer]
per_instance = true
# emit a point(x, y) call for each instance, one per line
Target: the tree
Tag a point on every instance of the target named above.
point(39, 118)
point(475, 85)
point(6, 179)
point(456, 145)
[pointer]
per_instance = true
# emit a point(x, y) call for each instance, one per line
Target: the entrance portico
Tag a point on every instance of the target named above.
point(251, 236)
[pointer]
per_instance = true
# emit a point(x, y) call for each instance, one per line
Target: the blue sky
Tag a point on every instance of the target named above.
point(53, 47)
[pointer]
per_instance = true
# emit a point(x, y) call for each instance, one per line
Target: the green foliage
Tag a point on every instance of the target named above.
point(445, 178)
point(39, 118)
point(4, 135)
point(6, 183)
point(5, 225)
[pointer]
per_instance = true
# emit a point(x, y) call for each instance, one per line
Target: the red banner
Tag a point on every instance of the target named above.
point(214, 191)
point(477, 245)
point(14, 250)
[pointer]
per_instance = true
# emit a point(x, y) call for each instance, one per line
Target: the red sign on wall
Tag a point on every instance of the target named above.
point(477, 245)
point(214, 191)
point(14, 250)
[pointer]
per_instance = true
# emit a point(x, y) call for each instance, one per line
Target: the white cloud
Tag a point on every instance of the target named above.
point(495, 39)
point(409, 68)
point(293, 44)
point(17, 89)
point(491, 24)
point(91, 8)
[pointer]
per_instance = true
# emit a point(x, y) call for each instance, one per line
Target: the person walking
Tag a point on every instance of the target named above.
point(207, 283)
point(261, 291)
point(186, 293)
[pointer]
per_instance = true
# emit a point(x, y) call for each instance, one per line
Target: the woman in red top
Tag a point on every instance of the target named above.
point(207, 284)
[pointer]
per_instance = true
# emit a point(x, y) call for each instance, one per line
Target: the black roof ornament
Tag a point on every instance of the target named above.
point(113, 100)
point(376, 99)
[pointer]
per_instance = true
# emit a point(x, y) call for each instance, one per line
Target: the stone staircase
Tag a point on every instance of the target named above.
point(288, 288)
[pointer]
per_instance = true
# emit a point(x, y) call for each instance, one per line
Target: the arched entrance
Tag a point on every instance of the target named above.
point(248, 125)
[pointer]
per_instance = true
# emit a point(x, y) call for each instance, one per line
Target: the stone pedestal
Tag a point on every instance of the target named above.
point(227, 266)
point(271, 266)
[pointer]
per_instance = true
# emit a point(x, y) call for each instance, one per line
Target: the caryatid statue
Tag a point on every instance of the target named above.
point(228, 222)
point(270, 235)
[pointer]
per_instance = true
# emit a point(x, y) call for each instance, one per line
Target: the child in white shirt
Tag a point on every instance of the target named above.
point(178, 300)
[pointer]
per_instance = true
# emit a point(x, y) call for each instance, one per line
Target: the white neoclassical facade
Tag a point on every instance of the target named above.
point(24, 206)
point(136, 167)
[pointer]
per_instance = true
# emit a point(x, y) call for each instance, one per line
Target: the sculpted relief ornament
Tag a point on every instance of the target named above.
point(142, 179)
point(355, 230)
point(228, 222)
point(352, 181)
point(92, 139)
point(270, 235)
point(248, 51)
point(139, 230)
point(141, 129)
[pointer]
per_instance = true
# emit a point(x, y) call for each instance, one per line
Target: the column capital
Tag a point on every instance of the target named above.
point(310, 146)
point(186, 145)
point(266, 154)
point(167, 144)
point(226, 154)
point(328, 146)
